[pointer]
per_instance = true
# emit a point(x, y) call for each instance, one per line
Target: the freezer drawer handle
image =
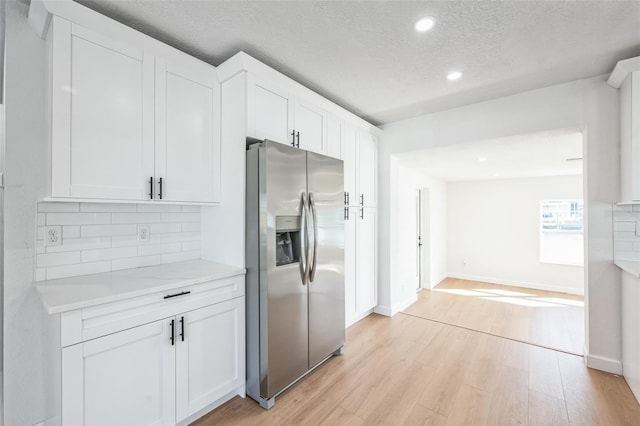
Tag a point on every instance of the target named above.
point(169, 296)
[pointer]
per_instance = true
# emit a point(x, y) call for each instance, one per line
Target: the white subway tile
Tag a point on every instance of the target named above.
point(190, 209)
point(625, 208)
point(165, 228)
point(108, 230)
point(625, 236)
point(107, 207)
point(40, 233)
point(627, 255)
point(624, 245)
point(624, 226)
point(142, 218)
point(191, 227)
point(132, 240)
point(135, 262)
point(182, 256)
point(636, 207)
point(72, 244)
point(71, 231)
point(78, 269)
point(48, 206)
point(110, 253)
point(158, 208)
point(191, 245)
point(150, 249)
point(78, 218)
point(41, 274)
point(57, 259)
point(636, 246)
point(42, 219)
point(180, 236)
point(181, 217)
point(40, 247)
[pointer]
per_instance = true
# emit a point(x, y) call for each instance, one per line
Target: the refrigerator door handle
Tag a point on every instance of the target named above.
point(304, 243)
point(312, 207)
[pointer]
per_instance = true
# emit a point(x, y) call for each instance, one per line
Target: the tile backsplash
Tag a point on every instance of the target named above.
point(626, 232)
point(99, 237)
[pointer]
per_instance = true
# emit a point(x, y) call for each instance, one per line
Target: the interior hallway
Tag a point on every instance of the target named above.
point(544, 318)
point(409, 370)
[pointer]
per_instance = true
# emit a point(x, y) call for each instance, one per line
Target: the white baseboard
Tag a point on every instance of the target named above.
point(358, 318)
point(398, 307)
point(609, 365)
point(514, 283)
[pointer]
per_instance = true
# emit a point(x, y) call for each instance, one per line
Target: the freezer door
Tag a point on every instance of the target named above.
point(284, 337)
point(326, 280)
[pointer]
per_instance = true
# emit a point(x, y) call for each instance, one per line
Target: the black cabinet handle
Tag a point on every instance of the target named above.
point(348, 198)
point(169, 296)
point(346, 213)
point(361, 199)
point(182, 328)
point(361, 213)
point(160, 183)
point(293, 138)
point(151, 188)
point(173, 330)
point(298, 136)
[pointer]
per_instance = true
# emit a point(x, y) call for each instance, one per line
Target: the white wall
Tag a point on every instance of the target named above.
point(25, 397)
point(494, 225)
point(438, 225)
point(590, 106)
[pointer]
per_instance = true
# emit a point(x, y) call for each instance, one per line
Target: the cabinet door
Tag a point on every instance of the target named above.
point(310, 123)
point(125, 378)
point(367, 166)
point(350, 164)
point(350, 262)
point(210, 360)
point(187, 131)
point(334, 137)
point(270, 111)
point(366, 286)
point(102, 116)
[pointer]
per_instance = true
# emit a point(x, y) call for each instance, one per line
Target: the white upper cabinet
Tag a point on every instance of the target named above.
point(335, 136)
point(367, 169)
point(270, 112)
point(350, 155)
point(310, 124)
point(102, 121)
point(127, 123)
point(187, 148)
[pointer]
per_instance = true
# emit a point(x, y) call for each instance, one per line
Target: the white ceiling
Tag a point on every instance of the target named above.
point(366, 56)
point(532, 155)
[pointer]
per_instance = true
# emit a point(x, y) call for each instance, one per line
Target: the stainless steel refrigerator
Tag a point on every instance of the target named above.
point(295, 265)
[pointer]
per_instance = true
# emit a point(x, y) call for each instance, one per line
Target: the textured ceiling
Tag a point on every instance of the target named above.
point(531, 155)
point(366, 57)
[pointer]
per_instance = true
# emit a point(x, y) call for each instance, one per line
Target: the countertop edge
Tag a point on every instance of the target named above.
point(628, 266)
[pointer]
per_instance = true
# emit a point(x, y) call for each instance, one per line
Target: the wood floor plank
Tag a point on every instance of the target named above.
point(545, 410)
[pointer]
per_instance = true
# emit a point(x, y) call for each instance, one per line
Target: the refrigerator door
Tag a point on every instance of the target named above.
point(284, 291)
point(326, 277)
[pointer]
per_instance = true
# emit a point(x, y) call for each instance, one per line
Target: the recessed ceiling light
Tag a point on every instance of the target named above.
point(455, 75)
point(482, 159)
point(424, 24)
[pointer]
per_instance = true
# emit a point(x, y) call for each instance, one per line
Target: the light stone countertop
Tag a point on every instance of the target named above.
point(67, 294)
point(629, 266)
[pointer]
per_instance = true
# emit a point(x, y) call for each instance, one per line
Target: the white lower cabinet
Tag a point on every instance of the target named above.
point(159, 373)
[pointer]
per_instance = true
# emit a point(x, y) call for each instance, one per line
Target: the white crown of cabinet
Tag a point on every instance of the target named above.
point(130, 125)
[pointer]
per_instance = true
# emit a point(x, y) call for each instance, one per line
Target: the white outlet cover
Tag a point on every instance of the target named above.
point(52, 236)
point(144, 232)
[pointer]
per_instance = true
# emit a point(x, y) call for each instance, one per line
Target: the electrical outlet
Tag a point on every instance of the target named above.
point(144, 233)
point(52, 236)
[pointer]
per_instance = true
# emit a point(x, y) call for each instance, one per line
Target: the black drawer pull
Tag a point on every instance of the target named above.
point(169, 296)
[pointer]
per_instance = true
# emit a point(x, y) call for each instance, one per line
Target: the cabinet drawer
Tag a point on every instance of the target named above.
point(96, 321)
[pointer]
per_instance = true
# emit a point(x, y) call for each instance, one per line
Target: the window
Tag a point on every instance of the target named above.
point(562, 232)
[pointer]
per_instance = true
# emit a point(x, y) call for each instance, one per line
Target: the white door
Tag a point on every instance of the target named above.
point(366, 287)
point(209, 355)
point(418, 240)
point(102, 116)
point(425, 234)
point(187, 132)
point(350, 156)
point(367, 166)
point(350, 262)
point(270, 112)
point(334, 137)
point(126, 378)
point(310, 126)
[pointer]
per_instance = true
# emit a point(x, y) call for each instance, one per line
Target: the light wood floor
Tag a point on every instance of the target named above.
point(545, 318)
point(409, 370)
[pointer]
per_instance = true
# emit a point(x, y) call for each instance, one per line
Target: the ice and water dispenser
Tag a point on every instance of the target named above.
point(287, 240)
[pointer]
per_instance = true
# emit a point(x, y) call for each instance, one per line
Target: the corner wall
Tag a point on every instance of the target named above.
point(590, 106)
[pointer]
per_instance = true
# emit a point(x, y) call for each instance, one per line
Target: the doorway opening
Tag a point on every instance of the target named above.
point(500, 237)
